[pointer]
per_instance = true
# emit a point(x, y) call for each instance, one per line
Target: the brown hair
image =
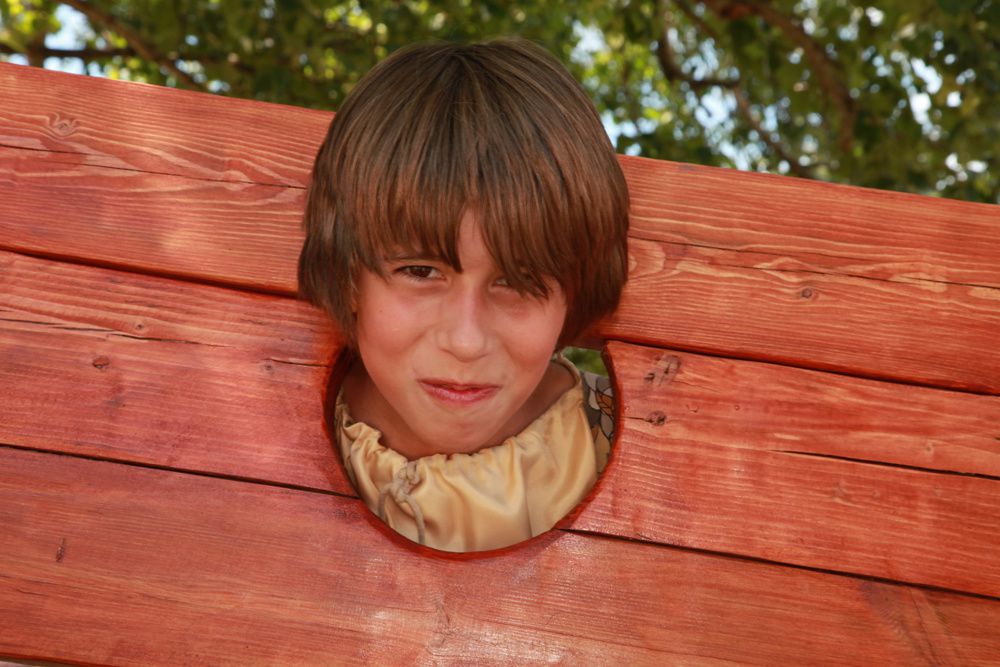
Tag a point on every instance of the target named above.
point(435, 129)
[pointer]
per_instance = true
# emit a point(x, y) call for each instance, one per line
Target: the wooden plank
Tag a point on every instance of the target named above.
point(795, 224)
point(136, 126)
point(680, 477)
point(164, 373)
point(104, 563)
point(721, 302)
point(798, 223)
point(240, 234)
point(775, 408)
point(232, 383)
point(715, 301)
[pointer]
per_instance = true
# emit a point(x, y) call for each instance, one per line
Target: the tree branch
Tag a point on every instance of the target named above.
point(831, 78)
point(673, 71)
point(743, 104)
point(697, 20)
point(101, 17)
point(85, 54)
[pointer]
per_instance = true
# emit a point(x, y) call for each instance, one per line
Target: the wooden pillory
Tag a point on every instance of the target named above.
point(807, 468)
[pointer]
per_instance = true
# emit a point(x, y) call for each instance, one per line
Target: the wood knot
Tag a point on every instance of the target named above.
point(101, 362)
point(63, 127)
point(807, 293)
point(656, 418)
point(665, 370)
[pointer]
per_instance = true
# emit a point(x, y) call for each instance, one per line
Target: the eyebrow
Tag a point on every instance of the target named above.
point(409, 256)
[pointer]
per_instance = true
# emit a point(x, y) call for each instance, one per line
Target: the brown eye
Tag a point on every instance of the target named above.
point(417, 272)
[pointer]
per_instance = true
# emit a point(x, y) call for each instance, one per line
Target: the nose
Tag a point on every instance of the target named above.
point(463, 329)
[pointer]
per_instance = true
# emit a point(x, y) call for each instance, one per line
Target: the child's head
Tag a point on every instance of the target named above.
point(438, 131)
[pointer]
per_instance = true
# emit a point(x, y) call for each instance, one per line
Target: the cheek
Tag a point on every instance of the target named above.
point(532, 335)
point(385, 328)
point(384, 323)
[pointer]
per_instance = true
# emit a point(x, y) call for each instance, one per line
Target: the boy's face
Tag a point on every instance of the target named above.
point(455, 361)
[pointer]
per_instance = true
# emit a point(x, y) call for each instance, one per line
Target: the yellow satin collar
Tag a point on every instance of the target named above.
point(490, 499)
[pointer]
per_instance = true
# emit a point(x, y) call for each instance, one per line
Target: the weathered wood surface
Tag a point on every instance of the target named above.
point(163, 372)
point(226, 572)
point(200, 378)
point(802, 467)
point(153, 129)
point(169, 428)
point(859, 281)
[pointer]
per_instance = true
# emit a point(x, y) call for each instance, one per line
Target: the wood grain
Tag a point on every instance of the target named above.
point(240, 234)
point(766, 407)
point(141, 127)
point(823, 226)
point(199, 378)
point(102, 363)
point(105, 563)
point(722, 302)
point(798, 224)
point(714, 301)
point(676, 478)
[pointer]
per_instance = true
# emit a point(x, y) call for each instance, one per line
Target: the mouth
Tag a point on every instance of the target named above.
point(456, 393)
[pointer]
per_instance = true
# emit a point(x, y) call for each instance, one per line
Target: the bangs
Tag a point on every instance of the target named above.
point(464, 138)
point(497, 129)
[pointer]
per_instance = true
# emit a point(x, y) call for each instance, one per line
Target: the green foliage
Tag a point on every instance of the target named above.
point(902, 94)
point(586, 359)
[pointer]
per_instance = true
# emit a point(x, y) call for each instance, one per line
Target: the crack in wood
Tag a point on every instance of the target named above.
point(20, 321)
point(857, 576)
point(297, 363)
point(113, 332)
point(164, 340)
point(42, 150)
point(83, 329)
point(885, 464)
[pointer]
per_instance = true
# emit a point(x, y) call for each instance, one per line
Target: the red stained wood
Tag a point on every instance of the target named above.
point(768, 408)
point(796, 224)
point(242, 234)
point(136, 126)
point(104, 563)
point(715, 301)
point(736, 304)
point(676, 478)
point(164, 373)
point(203, 378)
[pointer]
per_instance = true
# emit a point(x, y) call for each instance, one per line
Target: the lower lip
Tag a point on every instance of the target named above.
point(458, 396)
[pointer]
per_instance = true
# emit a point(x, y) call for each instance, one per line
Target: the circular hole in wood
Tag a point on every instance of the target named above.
point(493, 499)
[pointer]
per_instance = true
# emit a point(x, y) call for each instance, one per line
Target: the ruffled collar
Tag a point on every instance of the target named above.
point(489, 499)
